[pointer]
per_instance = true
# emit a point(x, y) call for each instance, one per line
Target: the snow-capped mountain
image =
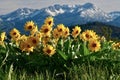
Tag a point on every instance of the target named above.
point(66, 14)
point(116, 18)
point(19, 14)
point(115, 14)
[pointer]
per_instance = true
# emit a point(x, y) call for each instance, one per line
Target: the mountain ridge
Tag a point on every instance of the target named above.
point(66, 14)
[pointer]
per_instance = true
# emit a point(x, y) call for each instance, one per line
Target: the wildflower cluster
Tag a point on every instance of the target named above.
point(48, 37)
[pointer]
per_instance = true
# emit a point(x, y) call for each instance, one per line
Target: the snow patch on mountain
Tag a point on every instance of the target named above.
point(55, 12)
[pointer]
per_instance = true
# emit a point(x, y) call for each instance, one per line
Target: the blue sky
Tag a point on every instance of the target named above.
point(7, 6)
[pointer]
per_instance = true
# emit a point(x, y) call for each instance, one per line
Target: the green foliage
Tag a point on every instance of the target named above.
point(107, 32)
point(68, 52)
point(72, 60)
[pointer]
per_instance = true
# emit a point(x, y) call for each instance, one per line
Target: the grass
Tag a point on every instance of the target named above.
point(80, 72)
point(84, 71)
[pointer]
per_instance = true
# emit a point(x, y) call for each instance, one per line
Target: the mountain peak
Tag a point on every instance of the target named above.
point(88, 5)
point(19, 14)
point(57, 8)
point(25, 10)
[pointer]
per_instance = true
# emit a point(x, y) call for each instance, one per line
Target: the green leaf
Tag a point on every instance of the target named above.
point(67, 45)
point(65, 57)
point(92, 58)
point(85, 49)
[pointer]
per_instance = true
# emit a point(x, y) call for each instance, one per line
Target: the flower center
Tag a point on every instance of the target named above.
point(28, 46)
point(49, 22)
point(46, 37)
point(57, 34)
point(14, 33)
point(29, 27)
point(48, 51)
point(66, 32)
point(94, 45)
point(34, 41)
point(46, 30)
point(77, 32)
point(60, 30)
point(87, 36)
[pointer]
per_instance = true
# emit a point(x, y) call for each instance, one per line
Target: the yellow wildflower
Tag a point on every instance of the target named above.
point(60, 29)
point(23, 38)
point(33, 31)
point(88, 34)
point(46, 39)
point(30, 25)
point(76, 31)
point(94, 45)
point(45, 29)
point(15, 34)
point(49, 21)
point(49, 50)
point(66, 32)
point(33, 41)
point(25, 46)
point(56, 34)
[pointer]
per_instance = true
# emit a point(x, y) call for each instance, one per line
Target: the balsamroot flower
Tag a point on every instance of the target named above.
point(49, 50)
point(23, 38)
point(94, 45)
point(46, 39)
point(61, 29)
point(56, 34)
point(30, 25)
point(33, 41)
point(66, 32)
point(15, 34)
point(34, 31)
point(76, 31)
point(49, 21)
point(25, 46)
point(88, 34)
point(45, 29)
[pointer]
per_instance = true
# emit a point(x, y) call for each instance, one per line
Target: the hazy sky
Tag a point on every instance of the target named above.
point(7, 6)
